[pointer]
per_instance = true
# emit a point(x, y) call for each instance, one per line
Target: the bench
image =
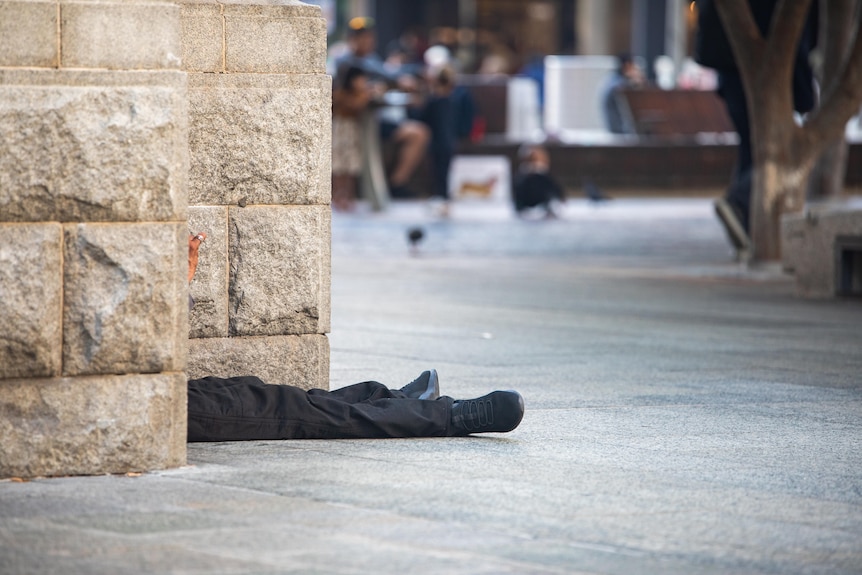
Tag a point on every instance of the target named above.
point(656, 112)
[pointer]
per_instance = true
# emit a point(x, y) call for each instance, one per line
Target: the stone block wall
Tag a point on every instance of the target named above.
point(93, 225)
point(113, 113)
point(259, 186)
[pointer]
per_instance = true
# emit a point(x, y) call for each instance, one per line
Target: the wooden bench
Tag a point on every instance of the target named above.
point(657, 112)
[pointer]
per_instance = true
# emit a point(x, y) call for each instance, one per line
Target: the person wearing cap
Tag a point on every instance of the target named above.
point(246, 408)
point(410, 136)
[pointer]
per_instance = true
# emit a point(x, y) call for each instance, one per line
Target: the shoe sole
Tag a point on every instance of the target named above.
point(732, 226)
point(432, 391)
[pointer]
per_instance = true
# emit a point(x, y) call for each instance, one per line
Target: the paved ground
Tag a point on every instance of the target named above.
point(684, 415)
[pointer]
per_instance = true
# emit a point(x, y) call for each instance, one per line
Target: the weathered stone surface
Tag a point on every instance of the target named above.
point(279, 8)
point(267, 37)
point(809, 245)
point(121, 36)
point(279, 270)
point(202, 37)
point(28, 34)
point(30, 300)
point(259, 139)
point(93, 146)
point(209, 317)
point(271, 43)
point(300, 360)
point(92, 425)
point(125, 306)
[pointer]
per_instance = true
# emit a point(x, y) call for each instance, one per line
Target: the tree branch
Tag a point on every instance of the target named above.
point(785, 30)
point(788, 21)
point(838, 23)
point(842, 98)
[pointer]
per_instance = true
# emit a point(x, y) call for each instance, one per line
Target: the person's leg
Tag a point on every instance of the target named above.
point(346, 161)
point(739, 192)
point(236, 409)
point(360, 392)
point(733, 209)
point(426, 386)
point(412, 139)
point(442, 158)
point(343, 192)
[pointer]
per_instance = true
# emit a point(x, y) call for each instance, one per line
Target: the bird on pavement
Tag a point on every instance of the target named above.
point(415, 235)
point(593, 192)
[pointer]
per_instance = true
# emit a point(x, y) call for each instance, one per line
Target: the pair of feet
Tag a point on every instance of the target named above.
point(497, 412)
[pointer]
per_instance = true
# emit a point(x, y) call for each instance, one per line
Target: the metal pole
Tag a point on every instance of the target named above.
point(676, 33)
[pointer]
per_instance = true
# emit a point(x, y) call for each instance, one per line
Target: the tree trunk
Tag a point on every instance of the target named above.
point(777, 188)
point(783, 160)
point(827, 177)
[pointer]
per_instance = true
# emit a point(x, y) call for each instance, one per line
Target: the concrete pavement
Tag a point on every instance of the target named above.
point(684, 415)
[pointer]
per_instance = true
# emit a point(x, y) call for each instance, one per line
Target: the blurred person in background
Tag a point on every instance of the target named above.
point(627, 74)
point(409, 48)
point(438, 113)
point(534, 186)
point(351, 97)
point(448, 110)
point(409, 136)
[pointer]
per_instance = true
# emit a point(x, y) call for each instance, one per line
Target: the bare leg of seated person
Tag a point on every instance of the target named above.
point(412, 138)
point(343, 192)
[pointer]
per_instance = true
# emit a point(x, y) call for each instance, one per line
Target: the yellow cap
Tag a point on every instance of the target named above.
point(361, 23)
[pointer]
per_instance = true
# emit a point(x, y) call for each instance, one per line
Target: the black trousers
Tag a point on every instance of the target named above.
point(246, 408)
point(732, 92)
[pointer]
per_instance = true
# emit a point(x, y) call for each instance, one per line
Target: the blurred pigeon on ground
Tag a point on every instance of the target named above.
point(594, 193)
point(415, 235)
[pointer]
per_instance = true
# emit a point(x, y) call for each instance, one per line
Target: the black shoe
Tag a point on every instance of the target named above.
point(499, 411)
point(731, 219)
point(425, 386)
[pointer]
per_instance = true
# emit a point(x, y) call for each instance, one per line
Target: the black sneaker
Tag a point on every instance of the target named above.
point(497, 412)
point(731, 219)
point(425, 386)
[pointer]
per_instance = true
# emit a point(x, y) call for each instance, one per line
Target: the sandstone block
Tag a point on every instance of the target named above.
point(202, 28)
point(270, 40)
point(297, 360)
point(259, 139)
point(93, 146)
point(28, 34)
point(279, 270)
point(30, 300)
point(126, 298)
point(810, 246)
point(92, 425)
point(209, 317)
point(121, 36)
